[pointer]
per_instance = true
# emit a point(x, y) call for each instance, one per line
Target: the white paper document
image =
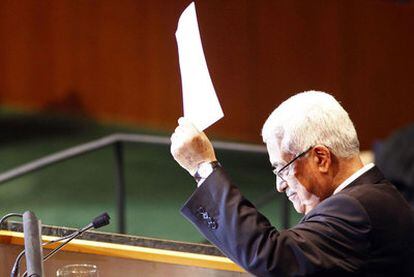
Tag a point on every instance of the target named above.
point(201, 105)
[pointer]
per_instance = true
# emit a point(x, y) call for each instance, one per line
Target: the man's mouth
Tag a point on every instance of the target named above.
point(290, 194)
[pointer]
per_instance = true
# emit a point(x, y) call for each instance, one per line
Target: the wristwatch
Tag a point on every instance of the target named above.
point(205, 169)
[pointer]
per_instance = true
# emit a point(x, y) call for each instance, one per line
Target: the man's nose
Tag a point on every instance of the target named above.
point(281, 185)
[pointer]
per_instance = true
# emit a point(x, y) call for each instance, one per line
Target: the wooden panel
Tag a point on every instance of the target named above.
point(117, 60)
point(116, 259)
point(111, 266)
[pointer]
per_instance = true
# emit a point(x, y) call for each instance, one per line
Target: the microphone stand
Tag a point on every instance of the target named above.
point(15, 269)
point(32, 244)
point(97, 222)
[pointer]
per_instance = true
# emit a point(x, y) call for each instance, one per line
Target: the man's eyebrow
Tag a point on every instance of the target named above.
point(275, 165)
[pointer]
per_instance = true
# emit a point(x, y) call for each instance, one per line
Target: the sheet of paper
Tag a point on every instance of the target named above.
point(201, 105)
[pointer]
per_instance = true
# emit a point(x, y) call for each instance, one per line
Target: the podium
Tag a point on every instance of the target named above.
point(121, 255)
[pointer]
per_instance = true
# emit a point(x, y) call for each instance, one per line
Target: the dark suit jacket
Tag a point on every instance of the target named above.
point(367, 229)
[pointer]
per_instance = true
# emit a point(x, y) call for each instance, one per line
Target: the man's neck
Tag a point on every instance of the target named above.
point(346, 167)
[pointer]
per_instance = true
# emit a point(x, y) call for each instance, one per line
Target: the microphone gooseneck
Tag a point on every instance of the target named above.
point(99, 221)
point(4, 218)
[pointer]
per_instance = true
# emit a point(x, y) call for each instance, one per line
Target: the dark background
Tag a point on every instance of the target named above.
point(116, 61)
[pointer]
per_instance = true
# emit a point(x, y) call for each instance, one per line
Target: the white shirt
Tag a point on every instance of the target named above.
point(351, 178)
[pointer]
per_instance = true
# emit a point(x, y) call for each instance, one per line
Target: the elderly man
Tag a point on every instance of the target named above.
point(355, 223)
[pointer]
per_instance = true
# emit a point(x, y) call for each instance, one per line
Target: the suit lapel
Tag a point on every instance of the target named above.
point(372, 176)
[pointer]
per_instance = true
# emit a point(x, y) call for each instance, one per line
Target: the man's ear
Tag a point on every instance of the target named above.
point(322, 157)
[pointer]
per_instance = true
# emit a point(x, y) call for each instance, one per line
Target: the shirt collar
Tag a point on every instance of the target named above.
point(354, 176)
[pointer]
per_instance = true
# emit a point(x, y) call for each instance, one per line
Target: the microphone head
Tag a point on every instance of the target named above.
point(101, 220)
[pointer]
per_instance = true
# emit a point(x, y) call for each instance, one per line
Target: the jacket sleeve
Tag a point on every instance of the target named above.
point(332, 238)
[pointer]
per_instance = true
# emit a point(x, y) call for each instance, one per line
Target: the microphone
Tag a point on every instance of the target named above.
point(32, 245)
point(98, 222)
point(101, 220)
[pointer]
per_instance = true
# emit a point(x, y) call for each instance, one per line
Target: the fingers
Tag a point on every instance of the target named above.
point(189, 147)
point(182, 121)
point(183, 133)
point(185, 130)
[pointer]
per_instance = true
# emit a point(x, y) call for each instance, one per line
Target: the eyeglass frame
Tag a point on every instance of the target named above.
point(291, 162)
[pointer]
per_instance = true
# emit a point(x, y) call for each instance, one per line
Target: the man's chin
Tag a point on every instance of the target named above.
point(299, 208)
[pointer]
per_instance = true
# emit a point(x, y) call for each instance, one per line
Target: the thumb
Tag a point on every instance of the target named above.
point(182, 121)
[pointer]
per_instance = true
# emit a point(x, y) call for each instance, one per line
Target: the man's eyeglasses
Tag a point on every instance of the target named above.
point(283, 172)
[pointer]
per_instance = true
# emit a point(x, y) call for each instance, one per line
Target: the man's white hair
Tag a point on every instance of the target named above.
point(310, 118)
